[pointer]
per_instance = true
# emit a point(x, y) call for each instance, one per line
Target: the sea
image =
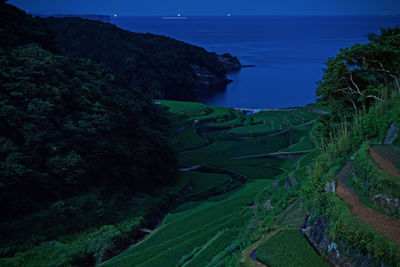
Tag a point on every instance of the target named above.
point(288, 52)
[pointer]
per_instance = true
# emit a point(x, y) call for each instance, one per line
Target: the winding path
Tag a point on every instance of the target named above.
point(384, 164)
point(382, 223)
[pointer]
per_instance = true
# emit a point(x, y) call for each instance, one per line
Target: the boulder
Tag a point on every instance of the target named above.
point(317, 234)
point(391, 134)
point(267, 205)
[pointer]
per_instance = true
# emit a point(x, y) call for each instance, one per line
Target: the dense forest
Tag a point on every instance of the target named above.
point(162, 66)
point(76, 141)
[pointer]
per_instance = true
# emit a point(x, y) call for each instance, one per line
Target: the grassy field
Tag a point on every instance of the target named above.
point(188, 138)
point(202, 182)
point(182, 231)
point(199, 232)
point(289, 248)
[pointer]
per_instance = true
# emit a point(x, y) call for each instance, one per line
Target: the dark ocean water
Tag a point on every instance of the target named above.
point(289, 51)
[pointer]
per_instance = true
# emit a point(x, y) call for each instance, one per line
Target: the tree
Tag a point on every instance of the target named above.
point(362, 74)
point(160, 65)
point(68, 125)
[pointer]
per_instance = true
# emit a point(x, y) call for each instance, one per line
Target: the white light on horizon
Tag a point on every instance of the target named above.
point(179, 15)
point(115, 15)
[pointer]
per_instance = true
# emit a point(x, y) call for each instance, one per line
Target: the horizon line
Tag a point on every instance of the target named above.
point(204, 15)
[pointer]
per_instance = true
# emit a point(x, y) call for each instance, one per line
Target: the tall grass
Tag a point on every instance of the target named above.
point(334, 152)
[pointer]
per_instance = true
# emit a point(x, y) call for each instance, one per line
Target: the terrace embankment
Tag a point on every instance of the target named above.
point(383, 224)
point(382, 158)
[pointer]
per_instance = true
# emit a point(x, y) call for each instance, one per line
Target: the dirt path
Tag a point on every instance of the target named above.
point(384, 164)
point(383, 224)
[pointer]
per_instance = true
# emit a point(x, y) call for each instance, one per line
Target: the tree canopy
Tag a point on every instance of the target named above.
point(68, 125)
point(158, 64)
point(361, 75)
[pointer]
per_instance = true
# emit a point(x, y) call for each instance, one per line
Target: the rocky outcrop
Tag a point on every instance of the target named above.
point(392, 134)
point(207, 79)
point(389, 205)
point(330, 186)
point(317, 233)
point(267, 205)
point(208, 82)
point(230, 62)
point(339, 254)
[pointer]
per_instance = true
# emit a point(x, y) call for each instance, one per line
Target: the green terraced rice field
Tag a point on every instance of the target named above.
point(188, 138)
point(289, 248)
point(195, 232)
point(202, 182)
point(182, 231)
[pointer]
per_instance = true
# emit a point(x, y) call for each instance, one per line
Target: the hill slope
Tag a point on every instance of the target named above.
point(75, 142)
point(162, 66)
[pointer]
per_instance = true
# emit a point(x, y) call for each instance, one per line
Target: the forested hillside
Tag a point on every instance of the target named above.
point(162, 66)
point(76, 142)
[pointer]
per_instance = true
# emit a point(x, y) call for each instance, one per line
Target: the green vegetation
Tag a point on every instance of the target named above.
point(75, 143)
point(160, 65)
point(359, 76)
point(265, 122)
point(194, 227)
point(88, 162)
point(202, 182)
point(219, 243)
point(368, 115)
point(289, 248)
point(209, 229)
point(370, 181)
point(188, 138)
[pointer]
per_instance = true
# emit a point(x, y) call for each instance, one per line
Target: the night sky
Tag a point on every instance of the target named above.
point(212, 7)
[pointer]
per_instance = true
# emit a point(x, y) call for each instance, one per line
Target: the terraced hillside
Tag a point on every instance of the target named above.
point(230, 164)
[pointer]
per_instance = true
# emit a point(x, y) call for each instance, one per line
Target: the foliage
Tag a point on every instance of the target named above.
point(359, 76)
point(370, 181)
point(185, 230)
point(86, 249)
point(68, 124)
point(17, 28)
point(357, 236)
point(160, 65)
point(345, 228)
point(76, 142)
